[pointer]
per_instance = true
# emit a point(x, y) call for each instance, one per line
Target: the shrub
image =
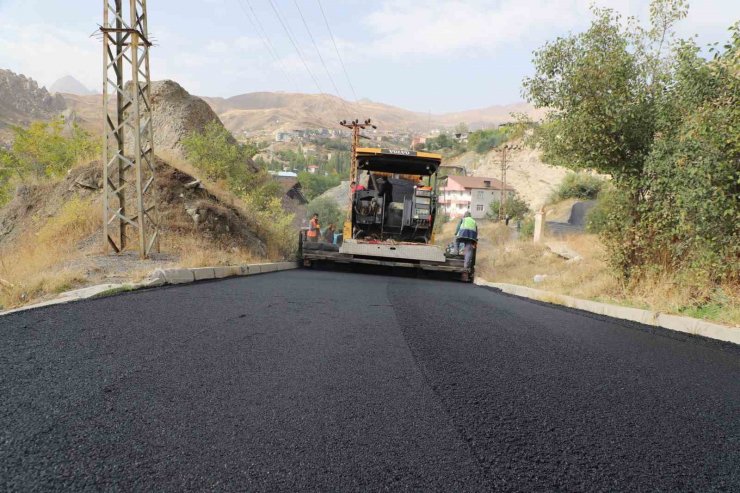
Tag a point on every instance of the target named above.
point(482, 141)
point(578, 186)
point(221, 158)
point(44, 150)
point(527, 228)
point(515, 207)
point(215, 152)
point(606, 211)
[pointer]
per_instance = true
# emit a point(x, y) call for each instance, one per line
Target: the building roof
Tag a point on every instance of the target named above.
point(478, 182)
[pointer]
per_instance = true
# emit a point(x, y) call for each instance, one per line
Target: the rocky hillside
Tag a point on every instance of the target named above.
point(23, 101)
point(175, 115)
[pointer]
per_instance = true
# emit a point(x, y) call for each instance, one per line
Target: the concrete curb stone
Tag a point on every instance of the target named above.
point(672, 322)
point(202, 273)
point(161, 277)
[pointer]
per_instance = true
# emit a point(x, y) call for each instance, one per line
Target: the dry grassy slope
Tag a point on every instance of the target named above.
point(533, 179)
point(51, 234)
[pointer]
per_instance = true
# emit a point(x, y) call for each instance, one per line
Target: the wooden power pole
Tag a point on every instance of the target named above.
point(129, 202)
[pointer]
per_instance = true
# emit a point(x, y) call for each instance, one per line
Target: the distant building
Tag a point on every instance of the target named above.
point(471, 193)
point(283, 136)
point(417, 141)
point(313, 168)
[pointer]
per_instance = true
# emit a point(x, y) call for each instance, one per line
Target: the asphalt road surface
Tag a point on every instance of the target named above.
point(312, 380)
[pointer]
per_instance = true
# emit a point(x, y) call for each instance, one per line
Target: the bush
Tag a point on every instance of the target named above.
point(515, 207)
point(527, 228)
point(482, 141)
point(44, 150)
point(215, 152)
point(221, 158)
point(606, 211)
point(578, 186)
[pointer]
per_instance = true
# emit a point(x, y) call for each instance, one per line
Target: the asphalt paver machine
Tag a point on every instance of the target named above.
point(392, 213)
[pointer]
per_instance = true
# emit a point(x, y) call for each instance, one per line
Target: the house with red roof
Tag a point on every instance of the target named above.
point(471, 193)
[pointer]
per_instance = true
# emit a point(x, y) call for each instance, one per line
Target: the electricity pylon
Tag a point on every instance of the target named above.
point(129, 202)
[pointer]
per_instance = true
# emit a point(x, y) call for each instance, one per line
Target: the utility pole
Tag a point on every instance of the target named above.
point(504, 167)
point(355, 126)
point(129, 201)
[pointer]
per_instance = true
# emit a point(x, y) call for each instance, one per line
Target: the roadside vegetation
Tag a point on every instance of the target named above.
point(29, 268)
point(43, 152)
point(215, 153)
point(515, 207)
point(582, 186)
point(663, 121)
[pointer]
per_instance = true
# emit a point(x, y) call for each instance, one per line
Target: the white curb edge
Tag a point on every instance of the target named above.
point(677, 323)
point(161, 277)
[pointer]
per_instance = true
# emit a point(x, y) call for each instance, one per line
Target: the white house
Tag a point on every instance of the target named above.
point(470, 193)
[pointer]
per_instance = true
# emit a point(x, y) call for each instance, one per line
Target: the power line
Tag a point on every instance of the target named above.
point(295, 45)
point(266, 40)
point(323, 63)
point(344, 68)
point(318, 52)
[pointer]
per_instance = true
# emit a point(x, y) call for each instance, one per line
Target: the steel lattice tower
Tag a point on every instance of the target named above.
point(129, 202)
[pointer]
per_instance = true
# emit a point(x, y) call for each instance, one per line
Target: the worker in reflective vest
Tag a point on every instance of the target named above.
point(467, 234)
point(314, 228)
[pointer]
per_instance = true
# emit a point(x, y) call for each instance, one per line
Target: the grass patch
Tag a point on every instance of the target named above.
point(33, 266)
point(517, 262)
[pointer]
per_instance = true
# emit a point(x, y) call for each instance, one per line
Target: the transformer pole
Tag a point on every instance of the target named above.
point(128, 156)
point(355, 126)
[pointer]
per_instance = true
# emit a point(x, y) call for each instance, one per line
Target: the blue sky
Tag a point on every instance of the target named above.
point(434, 55)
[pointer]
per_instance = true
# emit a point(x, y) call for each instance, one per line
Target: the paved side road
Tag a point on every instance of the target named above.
point(309, 380)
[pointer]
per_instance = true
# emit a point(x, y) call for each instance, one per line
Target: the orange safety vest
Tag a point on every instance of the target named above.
point(313, 228)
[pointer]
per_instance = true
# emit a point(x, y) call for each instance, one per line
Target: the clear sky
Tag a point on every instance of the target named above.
point(424, 55)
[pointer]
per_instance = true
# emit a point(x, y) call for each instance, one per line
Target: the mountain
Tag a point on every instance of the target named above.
point(23, 101)
point(266, 112)
point(263, 113)
point(69, 85)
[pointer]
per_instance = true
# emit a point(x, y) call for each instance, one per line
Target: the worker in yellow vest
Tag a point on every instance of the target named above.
point(467, 234)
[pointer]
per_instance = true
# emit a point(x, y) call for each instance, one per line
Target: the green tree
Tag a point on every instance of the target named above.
point(314, 184)
point(664, 122)
point(603, 88)
point(515, 207)
point(44, 150)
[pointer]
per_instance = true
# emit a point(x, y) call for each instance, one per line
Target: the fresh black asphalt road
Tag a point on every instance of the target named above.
point(330, 381)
